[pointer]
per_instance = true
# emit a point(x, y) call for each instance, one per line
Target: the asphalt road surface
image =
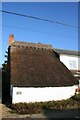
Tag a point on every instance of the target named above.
point(52, 114)
point(59, 114)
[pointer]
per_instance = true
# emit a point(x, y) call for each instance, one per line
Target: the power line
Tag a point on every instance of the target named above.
point(34, 30)
point(46, 20)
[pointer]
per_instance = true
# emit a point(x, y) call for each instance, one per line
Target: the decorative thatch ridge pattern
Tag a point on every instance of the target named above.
point(37, 65)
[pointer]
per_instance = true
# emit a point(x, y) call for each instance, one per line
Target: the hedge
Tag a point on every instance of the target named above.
point(38, 107)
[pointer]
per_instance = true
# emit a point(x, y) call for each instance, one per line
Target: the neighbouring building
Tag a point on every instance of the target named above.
point(36, 73)
point(71, 59)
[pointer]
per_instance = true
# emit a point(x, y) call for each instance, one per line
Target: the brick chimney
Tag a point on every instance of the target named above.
point(11, 39)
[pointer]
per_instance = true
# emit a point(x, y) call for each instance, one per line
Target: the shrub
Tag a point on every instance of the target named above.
point(38, 107)
point(26, 108)
point(76, 97)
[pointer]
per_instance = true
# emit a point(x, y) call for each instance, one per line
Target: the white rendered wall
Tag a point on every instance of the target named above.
point(66, 60)
point(41, 94)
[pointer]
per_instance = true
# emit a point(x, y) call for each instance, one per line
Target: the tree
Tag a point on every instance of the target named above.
point(4, 65)
point(5, 80)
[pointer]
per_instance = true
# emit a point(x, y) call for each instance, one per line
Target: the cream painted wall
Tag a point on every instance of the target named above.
point(41, 94)
point(66, 59)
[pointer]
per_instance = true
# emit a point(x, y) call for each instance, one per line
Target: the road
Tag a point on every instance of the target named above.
point(59, 114)
point(48, 114)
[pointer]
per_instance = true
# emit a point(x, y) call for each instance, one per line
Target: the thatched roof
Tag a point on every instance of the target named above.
point(37, 65)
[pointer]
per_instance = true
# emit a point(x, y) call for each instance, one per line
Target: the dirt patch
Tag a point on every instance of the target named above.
point(0, 111)
point(5, 112)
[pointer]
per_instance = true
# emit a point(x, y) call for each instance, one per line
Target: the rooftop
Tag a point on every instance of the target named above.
point(37, 65)
point(33, 45)
point(68, 52)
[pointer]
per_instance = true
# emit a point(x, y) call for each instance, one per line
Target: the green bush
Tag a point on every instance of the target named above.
point(26, 108)
point(38, 107)
point(76, 97)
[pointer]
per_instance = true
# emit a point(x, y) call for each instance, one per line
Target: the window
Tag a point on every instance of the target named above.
point(72, 64)
point(18, 93)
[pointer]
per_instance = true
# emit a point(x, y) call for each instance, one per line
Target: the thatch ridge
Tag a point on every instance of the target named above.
point(31, 45)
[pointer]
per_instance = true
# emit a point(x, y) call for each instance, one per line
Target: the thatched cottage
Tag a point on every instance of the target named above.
point(36, 73)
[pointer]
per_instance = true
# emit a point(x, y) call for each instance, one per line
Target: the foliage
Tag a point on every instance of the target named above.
point(4, 65)
point(5, 80)
point(26, 108)
point(38, 107)
point(76, 97)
